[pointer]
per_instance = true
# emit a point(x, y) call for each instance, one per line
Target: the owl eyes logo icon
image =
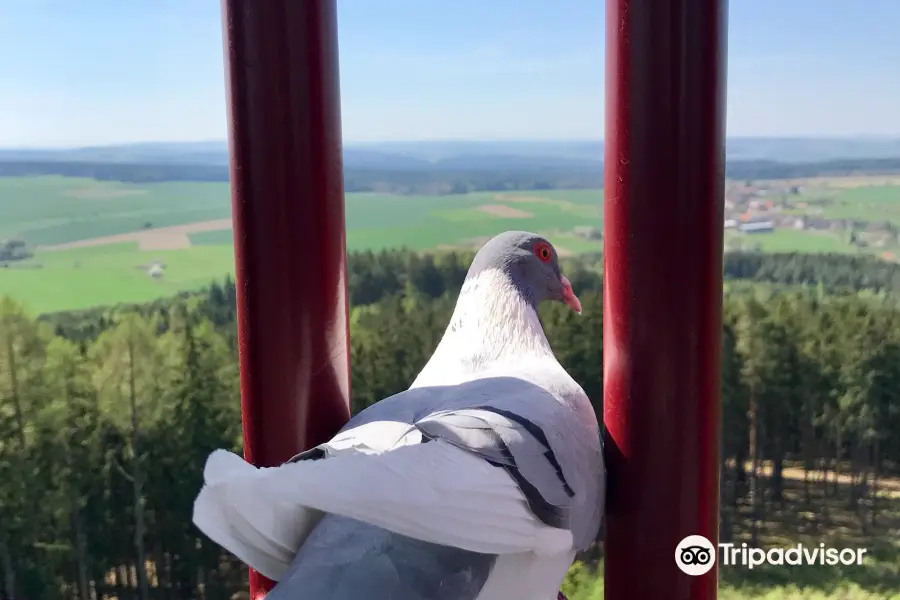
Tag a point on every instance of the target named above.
point(695, 555)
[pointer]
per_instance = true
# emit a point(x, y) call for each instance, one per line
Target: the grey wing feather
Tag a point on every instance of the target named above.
point(515, 444)
point(556, 451)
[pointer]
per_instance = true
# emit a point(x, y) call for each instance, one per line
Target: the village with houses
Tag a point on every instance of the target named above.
point(754, 210)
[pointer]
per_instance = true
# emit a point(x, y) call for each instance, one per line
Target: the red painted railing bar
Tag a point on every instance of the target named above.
point(288, 210)
point(663, 208)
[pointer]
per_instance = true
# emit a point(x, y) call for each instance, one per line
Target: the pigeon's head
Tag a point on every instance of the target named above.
point(531, 263)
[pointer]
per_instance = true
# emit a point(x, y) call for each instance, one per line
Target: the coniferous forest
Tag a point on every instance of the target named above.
point(107, 417)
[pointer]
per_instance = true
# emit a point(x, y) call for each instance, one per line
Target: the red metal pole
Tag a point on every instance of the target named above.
point(288, 210)
point(663, 207)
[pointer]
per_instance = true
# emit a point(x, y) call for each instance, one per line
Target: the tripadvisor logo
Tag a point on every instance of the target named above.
point(696, 555)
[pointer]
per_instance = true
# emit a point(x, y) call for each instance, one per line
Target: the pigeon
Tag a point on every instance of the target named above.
point(480, 482)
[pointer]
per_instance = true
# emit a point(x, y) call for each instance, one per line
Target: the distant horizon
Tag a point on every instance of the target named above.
point(389, 142)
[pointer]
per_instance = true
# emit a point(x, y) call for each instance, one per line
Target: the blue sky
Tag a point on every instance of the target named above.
point(108, 71)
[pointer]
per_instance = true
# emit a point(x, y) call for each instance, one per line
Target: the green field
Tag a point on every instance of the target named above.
point(47, 211)
point(785, 240)
point(378, 221)
point(56, 210)
point(87, 277)
point(874, 203)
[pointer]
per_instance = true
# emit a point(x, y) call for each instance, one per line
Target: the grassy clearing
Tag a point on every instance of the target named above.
point(101, 275)
point(871, 203)
point(573, 243)
point(212, 238)
point(790, 240)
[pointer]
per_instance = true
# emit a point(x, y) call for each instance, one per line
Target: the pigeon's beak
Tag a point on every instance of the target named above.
point(569, 297)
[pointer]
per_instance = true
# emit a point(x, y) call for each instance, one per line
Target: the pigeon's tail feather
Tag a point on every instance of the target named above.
point(263, 530)
point(346, 559)
point(432, 492)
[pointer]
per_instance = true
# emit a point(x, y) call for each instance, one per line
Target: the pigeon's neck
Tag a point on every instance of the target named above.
point(492, 325)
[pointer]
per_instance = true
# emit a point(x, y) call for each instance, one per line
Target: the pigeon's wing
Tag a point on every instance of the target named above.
point(470, 479)
point(265, 531)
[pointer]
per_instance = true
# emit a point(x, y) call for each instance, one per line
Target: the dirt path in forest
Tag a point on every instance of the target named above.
point(890, 486)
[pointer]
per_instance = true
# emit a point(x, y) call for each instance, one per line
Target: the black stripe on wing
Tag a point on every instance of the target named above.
point(316, 453)
point(477, 435)
point(538, 434)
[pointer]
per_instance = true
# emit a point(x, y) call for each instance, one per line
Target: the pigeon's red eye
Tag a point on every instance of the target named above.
point(543, 252)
